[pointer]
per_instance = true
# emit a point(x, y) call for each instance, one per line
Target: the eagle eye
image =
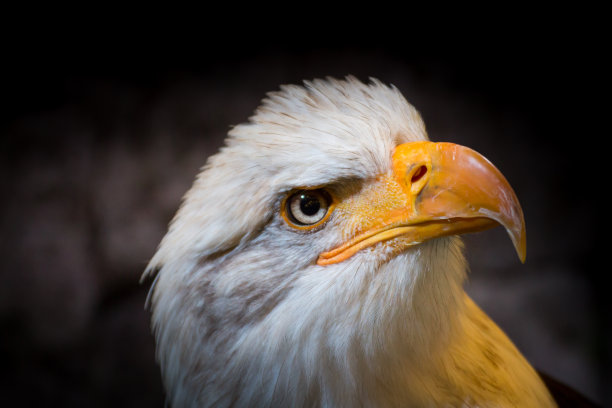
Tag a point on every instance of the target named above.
point(306, 209)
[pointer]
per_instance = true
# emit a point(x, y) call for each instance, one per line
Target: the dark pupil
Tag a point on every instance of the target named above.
point(309, 205)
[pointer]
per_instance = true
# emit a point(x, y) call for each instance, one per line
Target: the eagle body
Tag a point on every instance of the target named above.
point(255, 306)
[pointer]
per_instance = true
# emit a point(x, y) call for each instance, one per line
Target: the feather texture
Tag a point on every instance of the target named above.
point(243, 315)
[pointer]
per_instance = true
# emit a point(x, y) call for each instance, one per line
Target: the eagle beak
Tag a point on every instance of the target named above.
point(435, 190)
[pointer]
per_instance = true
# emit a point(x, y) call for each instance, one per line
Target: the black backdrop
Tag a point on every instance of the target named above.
point(102, 134)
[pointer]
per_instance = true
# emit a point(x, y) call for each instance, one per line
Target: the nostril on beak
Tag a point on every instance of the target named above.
point(421, 171)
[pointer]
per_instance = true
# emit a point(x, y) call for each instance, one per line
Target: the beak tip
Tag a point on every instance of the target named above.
point(520, 244)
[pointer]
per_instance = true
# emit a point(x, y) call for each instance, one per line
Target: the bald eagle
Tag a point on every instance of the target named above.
point(315, 262)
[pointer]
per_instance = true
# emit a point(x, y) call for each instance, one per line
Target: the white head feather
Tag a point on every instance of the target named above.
point(241, 312)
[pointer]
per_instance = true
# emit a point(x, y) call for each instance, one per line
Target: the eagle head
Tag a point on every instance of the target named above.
point(315, 262)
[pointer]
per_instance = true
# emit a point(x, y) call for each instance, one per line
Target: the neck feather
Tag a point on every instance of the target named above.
point(363, 336)
point(353, 335)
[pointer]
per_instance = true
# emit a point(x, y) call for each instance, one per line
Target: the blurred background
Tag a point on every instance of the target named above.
point(103, 134)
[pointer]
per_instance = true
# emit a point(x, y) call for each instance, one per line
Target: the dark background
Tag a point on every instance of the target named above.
point(102, 134)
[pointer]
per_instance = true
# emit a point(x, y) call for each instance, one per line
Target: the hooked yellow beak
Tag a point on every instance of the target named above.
point(435, 190)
